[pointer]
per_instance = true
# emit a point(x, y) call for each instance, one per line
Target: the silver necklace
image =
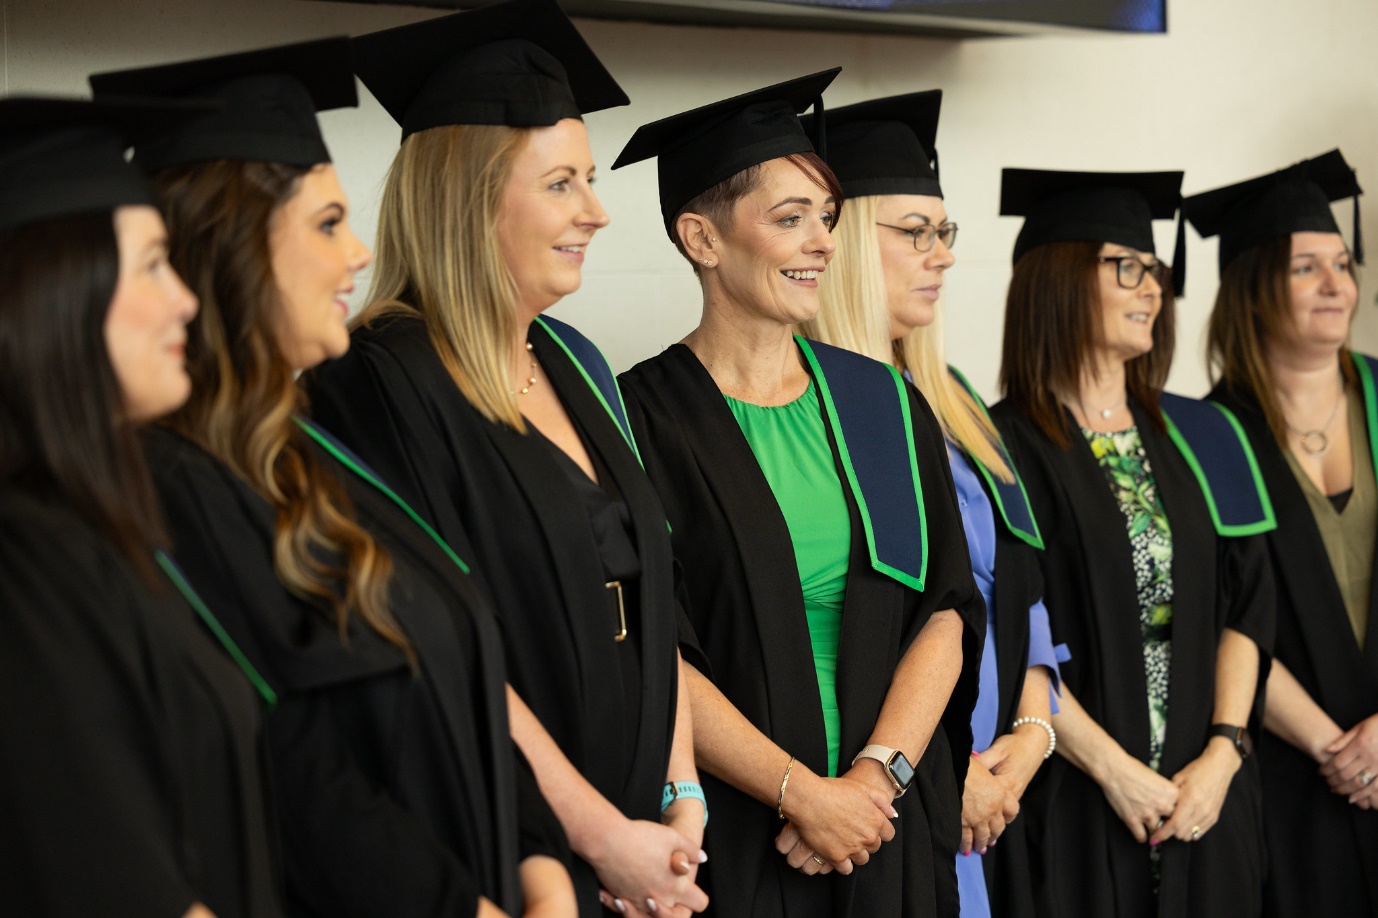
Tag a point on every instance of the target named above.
point(1105, 413)
point(531, 352)
point(1317, 442)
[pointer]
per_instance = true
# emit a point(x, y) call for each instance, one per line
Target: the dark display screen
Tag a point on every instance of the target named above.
point(1122, 15)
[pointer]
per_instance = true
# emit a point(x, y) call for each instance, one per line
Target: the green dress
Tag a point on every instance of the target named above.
point(790, 443)
point(1122, 458)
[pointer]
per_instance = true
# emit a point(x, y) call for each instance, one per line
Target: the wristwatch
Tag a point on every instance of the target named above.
point(1243, 743)
point(897, 767)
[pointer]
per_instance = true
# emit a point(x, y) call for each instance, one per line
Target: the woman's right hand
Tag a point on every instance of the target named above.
point(635, 864)
point(987, 807)
point(843, 820)
point(1140, 796)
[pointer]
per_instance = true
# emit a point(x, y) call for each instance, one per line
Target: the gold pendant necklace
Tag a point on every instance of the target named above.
point(1317, 442)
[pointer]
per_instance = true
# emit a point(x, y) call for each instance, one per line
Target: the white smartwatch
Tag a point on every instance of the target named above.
point(897, 767)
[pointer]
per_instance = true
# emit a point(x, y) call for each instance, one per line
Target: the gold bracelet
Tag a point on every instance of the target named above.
point(780, 801)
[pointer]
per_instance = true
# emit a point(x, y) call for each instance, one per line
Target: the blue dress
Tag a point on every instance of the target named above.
point(978, 520)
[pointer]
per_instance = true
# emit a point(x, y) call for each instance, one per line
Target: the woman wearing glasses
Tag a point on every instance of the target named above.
point(894, 246)
point(1279, 344)
point(1152, 572)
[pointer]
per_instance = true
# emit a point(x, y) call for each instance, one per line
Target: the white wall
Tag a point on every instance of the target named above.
point(1238, 88)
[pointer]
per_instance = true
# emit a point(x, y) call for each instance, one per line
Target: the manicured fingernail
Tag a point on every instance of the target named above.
point(894, 813)
point(992, 844)
point(703, 856)
point(1153, 842)
point(966, 854)
point(651, 906)
point(621, 906)
point(983, 850)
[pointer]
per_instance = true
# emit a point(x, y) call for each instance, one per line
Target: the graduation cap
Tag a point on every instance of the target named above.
point(520, 64)
point(1292, 200)
point(268, 103)
point(885, 146)
point(1114, 207)
point(698, 149)
point(61, 157)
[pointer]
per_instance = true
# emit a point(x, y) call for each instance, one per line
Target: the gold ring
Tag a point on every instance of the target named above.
point(1365, 778)
point(1195, 832)
point(816, 859)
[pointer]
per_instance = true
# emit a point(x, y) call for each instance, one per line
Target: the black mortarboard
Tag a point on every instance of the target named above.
point(268, 103)
point(698, 149)
point(60, 157)
point(520, 64)
point(885, 146)
point(1292, 200)
point(1115, 207)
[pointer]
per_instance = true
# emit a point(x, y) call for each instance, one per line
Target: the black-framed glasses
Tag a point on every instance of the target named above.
point(1129, 271)
point(924, 236)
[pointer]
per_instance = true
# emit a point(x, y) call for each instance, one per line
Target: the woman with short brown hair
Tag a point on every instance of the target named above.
point(832, 619)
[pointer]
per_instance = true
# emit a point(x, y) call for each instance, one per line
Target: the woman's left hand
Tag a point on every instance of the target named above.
point(1014, 758)
point(1353, 757)
point(1202, 786)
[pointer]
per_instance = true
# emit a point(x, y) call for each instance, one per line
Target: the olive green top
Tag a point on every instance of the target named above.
point(1348, 537)
point(791, 445)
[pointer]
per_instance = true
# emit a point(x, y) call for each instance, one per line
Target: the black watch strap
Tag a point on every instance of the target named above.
point(1243, 743)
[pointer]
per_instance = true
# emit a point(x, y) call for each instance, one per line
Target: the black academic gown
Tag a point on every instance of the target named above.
point(533, 549)
point(130, 744)
point(399, 790)
point(746, 630)
point(1322, 850)
point(1084, 860)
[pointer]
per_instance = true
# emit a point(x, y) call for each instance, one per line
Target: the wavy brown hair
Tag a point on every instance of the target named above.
point(244, 395)
point(1052, 327)
point(1253, 305)
point(62, 432)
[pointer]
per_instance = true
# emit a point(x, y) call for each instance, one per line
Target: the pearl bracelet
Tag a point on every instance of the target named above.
point(1052, 734)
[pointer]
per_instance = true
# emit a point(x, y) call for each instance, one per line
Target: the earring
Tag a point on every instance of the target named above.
point(708, 263)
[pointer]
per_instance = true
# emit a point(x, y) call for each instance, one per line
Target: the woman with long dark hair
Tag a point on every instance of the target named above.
point(1154, 574)
point(504, 427)
point(130, 754)
point(1279, 350)
point(400, 790)
point(832, 619)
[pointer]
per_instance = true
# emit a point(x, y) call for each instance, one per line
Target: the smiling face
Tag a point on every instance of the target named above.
point(1127, 315)
point(775, 247)
point(1323, 292)
point(146, 325)
point(315, 256)
point(549, 214)
point(913, 279)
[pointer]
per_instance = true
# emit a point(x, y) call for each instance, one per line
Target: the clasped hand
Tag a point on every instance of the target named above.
point(841, 821)
point(1353, 756)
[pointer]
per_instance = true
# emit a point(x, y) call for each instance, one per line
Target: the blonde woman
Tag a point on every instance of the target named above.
point(882, 298)
point(504, 427)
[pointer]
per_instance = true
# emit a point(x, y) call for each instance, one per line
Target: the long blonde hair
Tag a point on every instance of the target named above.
point(437, 256)
point(854, 315)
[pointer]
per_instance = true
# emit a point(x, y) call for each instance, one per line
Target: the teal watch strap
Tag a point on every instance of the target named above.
point(677, 789)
